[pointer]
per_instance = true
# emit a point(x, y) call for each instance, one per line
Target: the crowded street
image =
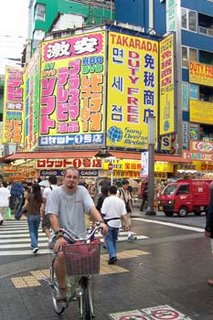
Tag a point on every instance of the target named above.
point(166, 269)
point(106, 160)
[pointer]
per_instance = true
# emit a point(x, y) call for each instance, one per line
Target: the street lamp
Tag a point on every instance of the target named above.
point(151, 143)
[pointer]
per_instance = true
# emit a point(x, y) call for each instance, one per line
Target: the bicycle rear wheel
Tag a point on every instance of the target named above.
point(59, 307)
point(86, 306)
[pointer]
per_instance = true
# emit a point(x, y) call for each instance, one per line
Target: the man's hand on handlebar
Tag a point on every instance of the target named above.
point(60, 242)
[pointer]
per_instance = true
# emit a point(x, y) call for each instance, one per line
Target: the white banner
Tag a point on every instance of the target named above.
point(144, 164)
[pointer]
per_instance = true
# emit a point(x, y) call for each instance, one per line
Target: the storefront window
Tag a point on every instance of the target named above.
point(192, 54)
point(188, 54)
point(184, 57)
point(40, 12)
point(194, 91)
point(184, 18)
point(192, 21)
point(188, 19)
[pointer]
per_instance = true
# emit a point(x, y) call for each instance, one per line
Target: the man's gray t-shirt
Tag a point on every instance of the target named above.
point(71, 208)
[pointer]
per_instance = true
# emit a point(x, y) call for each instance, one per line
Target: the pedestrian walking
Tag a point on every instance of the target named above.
point(32, 206)
point(102, 196)
point(209, 224)
point(4, 201)
point(46, 226)
point(125, 195)
point(144, 194)
point(114, 210)
point(17, 195)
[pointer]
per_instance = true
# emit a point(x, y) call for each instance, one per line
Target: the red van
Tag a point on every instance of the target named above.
point(184, 196)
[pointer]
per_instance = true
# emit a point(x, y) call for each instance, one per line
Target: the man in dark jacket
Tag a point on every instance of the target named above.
point(209, 224)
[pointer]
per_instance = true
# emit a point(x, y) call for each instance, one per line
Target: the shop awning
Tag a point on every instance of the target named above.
point(171, 158)
point(88, 154)
point(49, 155)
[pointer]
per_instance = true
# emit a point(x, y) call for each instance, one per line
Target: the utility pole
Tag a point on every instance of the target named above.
point(151, 178)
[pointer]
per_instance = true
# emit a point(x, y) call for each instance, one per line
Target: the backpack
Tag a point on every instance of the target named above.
point(17, 190)
point(127, 204)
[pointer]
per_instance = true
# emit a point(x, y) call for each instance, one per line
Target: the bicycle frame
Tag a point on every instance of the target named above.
point(79, 287)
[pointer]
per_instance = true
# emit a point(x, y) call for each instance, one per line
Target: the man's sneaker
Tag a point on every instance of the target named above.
point(34, 250)
point(61, 295)
point(132, 238)
point(1, 222)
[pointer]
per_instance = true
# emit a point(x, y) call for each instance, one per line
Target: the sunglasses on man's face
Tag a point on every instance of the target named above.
point(72, 177)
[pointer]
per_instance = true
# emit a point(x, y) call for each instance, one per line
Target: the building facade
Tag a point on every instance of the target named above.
point(192, 21)
point(64, 16)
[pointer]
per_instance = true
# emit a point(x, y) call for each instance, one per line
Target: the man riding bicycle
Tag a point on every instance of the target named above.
point(67, 206)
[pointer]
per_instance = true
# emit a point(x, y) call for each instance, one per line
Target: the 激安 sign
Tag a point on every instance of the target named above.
point(72, 91)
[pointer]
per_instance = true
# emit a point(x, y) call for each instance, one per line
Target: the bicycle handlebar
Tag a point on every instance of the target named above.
point(74, 238)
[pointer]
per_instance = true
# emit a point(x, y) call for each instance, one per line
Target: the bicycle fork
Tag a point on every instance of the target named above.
point(85, 297)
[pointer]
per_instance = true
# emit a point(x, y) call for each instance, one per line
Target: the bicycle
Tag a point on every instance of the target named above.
point(82, 259)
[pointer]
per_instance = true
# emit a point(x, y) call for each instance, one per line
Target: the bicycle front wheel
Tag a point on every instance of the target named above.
point(86, 307)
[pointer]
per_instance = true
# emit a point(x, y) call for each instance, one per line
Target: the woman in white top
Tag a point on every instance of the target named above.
point(4, 201)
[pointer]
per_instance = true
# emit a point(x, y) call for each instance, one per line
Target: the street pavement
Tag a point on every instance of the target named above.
point(161, 275)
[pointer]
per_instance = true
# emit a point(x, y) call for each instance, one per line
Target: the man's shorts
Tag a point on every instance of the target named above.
point(46, 223)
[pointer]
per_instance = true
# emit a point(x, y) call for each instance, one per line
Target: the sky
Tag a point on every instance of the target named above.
point(13, 30)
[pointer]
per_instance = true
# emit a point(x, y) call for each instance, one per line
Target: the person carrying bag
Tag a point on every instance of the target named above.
point(125, 195)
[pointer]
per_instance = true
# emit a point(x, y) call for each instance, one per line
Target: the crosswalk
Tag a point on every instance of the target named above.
point(15, 240)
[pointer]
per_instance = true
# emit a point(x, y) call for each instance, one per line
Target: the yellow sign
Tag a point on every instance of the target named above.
point(13, 124)
point(201, 73)
point(132, 90)
point(126, 165)
point(201, 111)
point(167, 92)
point(203, 165)
point(163, 167)
point(72, 91)
point(32, 103)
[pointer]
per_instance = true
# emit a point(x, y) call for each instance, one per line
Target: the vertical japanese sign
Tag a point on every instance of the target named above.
point(32, 109)
point(13, 106)
point(172, 14)
point(132, 90)
point(185, 135)
point(167, 92)
point(72, 91)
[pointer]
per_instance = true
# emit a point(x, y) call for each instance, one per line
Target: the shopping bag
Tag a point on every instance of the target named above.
point(8, 215)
